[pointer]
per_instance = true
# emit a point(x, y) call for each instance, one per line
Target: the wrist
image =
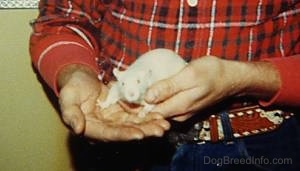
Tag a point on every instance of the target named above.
point(257, 79)
point(74, 70)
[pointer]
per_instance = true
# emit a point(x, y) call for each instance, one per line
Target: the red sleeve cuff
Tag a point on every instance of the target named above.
point(61, 56)
point(52, 54)
point(289, 92)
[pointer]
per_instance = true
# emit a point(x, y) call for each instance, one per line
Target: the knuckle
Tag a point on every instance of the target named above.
point(192, 72)
point(170, 86)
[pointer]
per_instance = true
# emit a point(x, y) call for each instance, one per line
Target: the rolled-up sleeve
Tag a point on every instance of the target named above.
point(63, 34)
point(289, 71)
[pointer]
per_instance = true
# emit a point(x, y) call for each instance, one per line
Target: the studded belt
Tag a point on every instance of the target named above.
point(245, 121)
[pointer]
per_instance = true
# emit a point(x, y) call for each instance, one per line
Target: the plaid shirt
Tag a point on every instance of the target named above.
point(116, 32)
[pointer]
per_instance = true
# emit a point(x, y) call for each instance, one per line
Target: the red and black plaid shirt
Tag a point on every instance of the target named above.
point(121, 30)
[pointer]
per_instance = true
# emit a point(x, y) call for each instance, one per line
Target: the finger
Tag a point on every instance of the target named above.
point(98, 130)
point(166, 88)
point(178, 104)
point(153, 116)
point(151, 129)
point(163, 124)
point(158, 119)
point(119, 117)
point(183, 117)
point(148, 117)
point(74, 118)
point(71, 112)
point(107, 112)
point(153, 124)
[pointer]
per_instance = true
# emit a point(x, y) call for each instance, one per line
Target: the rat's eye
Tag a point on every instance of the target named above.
point(138, 81)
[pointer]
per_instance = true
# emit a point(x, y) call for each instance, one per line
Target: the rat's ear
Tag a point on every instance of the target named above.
point(145, 74)
point(117, 73)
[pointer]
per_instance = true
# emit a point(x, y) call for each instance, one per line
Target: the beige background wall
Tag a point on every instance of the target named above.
point(31, 134)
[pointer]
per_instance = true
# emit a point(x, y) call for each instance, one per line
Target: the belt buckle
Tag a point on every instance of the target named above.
point(192, 136)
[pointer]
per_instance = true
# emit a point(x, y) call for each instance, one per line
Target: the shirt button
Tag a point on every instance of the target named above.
point(192, 3)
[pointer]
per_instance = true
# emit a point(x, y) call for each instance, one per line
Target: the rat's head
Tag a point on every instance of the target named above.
point(132, 85)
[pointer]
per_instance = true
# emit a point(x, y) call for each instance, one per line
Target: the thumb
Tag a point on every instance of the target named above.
point(166, 88)
point(74, 118)
point(72, 114)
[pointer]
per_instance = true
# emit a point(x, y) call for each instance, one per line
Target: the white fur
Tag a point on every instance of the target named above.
point(149, 68)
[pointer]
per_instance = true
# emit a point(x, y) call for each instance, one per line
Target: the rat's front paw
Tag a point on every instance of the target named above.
point(146, 109)
point(103, 104)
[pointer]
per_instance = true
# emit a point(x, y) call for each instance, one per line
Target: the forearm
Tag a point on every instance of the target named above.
point(57, 41)
point(73, 71)
point(288, 94)
point(274, 81)
point(258, 79)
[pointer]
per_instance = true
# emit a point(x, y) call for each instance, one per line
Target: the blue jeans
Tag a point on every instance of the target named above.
point(277, 150)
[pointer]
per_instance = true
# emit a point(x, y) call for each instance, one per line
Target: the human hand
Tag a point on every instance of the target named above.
point(151, 125)
point(209, 80)
point(79, 91)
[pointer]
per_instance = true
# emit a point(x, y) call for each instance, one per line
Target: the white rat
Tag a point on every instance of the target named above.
point(149, 68)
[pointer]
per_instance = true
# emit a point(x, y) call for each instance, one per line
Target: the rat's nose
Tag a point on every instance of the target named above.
point(132, 96)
